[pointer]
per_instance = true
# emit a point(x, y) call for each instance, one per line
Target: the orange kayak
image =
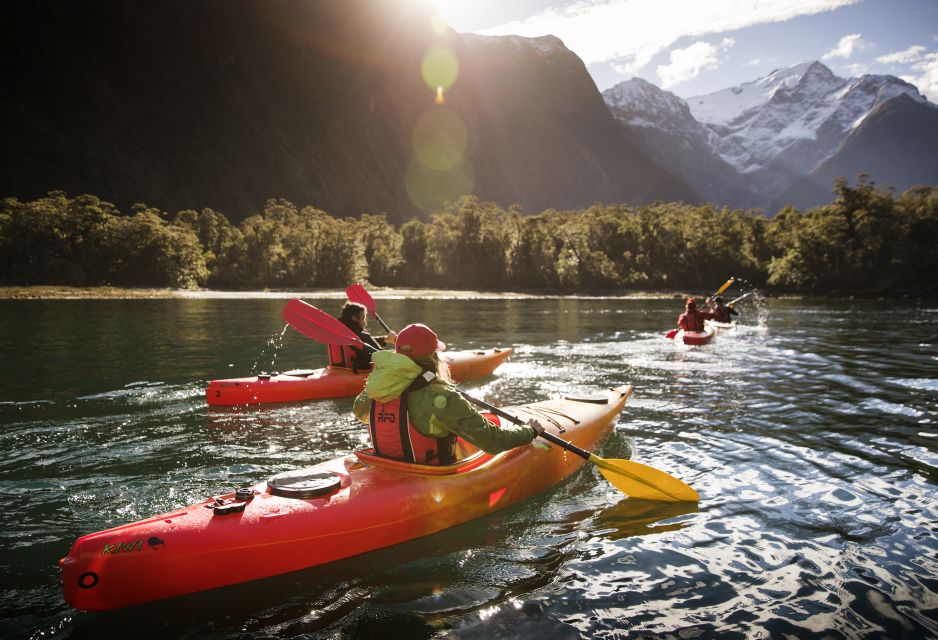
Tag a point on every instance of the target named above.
point(332, 382)
point(333, 510)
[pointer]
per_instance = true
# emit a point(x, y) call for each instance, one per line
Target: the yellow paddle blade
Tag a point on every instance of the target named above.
point(638, 480)
point(726, 285)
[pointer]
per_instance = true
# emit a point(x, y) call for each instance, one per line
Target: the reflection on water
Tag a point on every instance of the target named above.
point(809, 433)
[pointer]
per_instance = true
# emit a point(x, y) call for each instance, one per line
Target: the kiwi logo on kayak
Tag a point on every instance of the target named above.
point(155, 542)
point(122, 547)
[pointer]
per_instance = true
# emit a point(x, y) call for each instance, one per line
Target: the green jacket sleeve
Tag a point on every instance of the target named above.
point(453, 413)
point(362, 407)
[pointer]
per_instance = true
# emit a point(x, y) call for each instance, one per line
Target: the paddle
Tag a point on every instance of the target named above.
point(726, 285)
point(357, 293)
point(633, 478)
point(745, 295)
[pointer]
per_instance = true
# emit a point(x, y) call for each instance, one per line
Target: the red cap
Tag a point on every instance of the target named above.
point(418, 341)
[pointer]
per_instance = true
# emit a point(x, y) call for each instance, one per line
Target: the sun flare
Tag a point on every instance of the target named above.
point(463, 15)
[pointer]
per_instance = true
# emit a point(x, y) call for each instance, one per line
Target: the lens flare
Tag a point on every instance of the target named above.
point(440, 139)
point(439, 68)
point(438, 24)
point(430, 189)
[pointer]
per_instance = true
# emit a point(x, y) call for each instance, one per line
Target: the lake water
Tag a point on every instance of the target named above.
point(810, 435)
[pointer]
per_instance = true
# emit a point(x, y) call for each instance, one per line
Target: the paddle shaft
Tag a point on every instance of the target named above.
point(507, 416)
point(745, 295)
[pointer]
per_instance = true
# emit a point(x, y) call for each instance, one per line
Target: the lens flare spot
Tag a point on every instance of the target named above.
point(439, 68)
point(430, 189)
point(440, 100)
point(440, 139)
point(438, 24)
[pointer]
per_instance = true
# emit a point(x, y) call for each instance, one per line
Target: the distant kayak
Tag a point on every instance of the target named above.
point(695, 338)
point(334, 382)
point(333, 510)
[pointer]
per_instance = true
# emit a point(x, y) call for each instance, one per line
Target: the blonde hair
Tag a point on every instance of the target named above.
point(434, 363)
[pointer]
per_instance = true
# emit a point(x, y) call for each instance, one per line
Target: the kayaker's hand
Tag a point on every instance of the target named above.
point(391, 338)
point(537, 426)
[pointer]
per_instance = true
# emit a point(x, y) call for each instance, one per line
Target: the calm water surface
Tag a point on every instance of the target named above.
point(810, 435)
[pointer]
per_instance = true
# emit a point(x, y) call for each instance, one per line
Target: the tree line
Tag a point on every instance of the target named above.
point(868, 239)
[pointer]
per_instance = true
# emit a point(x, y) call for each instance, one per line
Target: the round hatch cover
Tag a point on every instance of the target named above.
point(303, 483)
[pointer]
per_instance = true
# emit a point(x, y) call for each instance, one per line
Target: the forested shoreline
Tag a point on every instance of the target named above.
point(868, 240)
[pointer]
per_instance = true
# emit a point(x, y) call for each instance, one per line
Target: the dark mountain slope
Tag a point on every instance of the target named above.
point(896, 144)
point(226, 103)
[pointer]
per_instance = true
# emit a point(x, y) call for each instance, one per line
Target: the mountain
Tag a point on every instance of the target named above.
point(896, 144)
point(226, 103)
point(664, 128)
point(784, 137)
point(778, 128)
point(542, 133)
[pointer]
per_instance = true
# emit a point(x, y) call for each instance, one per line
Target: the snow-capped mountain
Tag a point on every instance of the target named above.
point(771, 131)
point(795, 117)
point(664, 128)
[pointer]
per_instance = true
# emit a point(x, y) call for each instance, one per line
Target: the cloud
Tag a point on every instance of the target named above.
point(927, 76)
point(629, 33)
point(689, 62)
point(845, 48)
point(911, 54)
point(858, 69)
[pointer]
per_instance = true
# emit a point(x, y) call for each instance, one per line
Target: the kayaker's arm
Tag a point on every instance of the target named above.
point(451, 412)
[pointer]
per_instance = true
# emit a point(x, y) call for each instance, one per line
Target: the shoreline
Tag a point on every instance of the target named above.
point(61, 292)
point(48, 292)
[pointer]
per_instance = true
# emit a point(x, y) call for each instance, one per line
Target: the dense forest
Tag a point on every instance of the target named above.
point(868, 240)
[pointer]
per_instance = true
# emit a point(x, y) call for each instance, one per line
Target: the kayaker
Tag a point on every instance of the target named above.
point(355, 317)
point(692, 319)
point(413, 412)
point(721, 311)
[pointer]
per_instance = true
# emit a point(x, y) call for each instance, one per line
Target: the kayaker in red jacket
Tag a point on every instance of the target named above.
point(722, 312)
point(355, 317)
point(692, 319)
point(414, 413)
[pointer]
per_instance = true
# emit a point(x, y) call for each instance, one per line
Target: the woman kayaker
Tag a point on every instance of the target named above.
point(414, 413)
point(723, 312)
point(692, 319)
point(355, 317)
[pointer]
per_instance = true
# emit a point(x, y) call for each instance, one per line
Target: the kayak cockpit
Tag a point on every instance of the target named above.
point(474, 460)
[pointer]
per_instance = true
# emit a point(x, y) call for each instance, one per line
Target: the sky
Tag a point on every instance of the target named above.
point(696, 47)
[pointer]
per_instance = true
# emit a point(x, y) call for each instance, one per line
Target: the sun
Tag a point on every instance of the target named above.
point(467, 15)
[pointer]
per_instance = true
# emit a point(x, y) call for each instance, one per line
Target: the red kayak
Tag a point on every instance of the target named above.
point(332, 382)
point(695, 338)
point(333, 510)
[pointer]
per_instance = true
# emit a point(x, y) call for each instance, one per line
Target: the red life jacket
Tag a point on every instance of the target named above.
point(394, 436)
point(344, 356)
point(691, 321)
